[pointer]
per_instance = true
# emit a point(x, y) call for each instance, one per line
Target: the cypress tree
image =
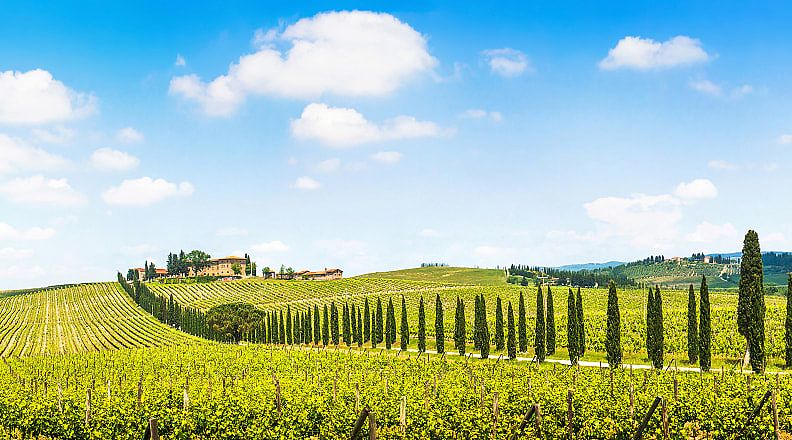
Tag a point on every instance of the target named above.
point(788, 323)
point(511, 337)
point(325, 327)
point(346, 326)
point(650, 326)
point(405, 327)
point(359, 328)
point(460, 338)
point(289, 333)
point(334, 323)
point(390, 324)
point(499, 336)
point(750, 305)
point(551, 328)
point(366, 322)
point(281, 329)
point(353, 323)
point(613, 336)
point(522, 325)
point(439, 330)
point(692, 327)
point(308, 326)
point(572, 329)
point(704, 351)
point(485, 335)
point(317, 325)
point(380, 322)
point(659, 339)
point(421, 326)
point(581, 324)
point(539, 335)
point(477, 324)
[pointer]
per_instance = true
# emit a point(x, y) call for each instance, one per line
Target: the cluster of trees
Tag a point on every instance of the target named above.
point(582, 278)
point(434, 264)
point(780, 259)
point(180, 264)
point(699, 331)
point(652, 259)
point(576, 330)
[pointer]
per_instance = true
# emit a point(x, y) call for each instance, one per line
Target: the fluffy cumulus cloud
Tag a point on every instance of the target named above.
point(706, 87)
point(54, 135)
point(129, 135)
point(8, 232)
point(306, 183)
point(270, 247)
point(35, 97)
point(16, 156)
point(39, 190)
point(329, 165)
point(145, 191)
point(348, 53)
point(107, 159)
point(345, 127)
point(646, 54)
point(507, 62)
point(697, 189)
point(646, 221)
point(477, 113)
point(387, 157)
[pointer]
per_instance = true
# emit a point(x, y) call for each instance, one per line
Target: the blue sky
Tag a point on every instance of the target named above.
point(370, 136)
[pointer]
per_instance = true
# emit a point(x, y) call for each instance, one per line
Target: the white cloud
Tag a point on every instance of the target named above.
point(706, 87)
point(35, 97)
point(429, 233)
point(231, 231)
point(306, 183)
point(55, 135)
point(739, 92)
point(329, 165)
point(645, 221)
point(38, 190)
point(343, 127)
point(696, 190)
point(507, 62)
point(107, 159)
point(477, 113)
point(15, 156)
point(646, 54)
point(180, 61)
point(8, 232)
point(9, 253)
point(129, 135)
point(785, 139)
point(145, 191)
point(387, 157)
point(349, 53)
point(270, 247)
point(709, 233)
point(722, 165)
point(139, 249)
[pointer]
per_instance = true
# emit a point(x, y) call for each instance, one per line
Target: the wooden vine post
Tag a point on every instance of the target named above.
point(495, 413)
point(152, 432)
point(570, 414)
point(403, 415)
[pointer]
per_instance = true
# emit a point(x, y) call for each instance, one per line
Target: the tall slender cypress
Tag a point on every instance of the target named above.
point(650, 326)
point(366, 321)
point(522, 325)
point(499, 336)
point(692, 327)
point(477, 324)
point(346, 326)
point(539, 335)
point(581, 324)
point(390, 324)
point(325, 327)
point(317, 325)
point(439, 330)
point(380, 322)
point(352, 324)
point(613, 333)
point(289, 332)
point(359, 327)
point(551, 328)
point(788, 323)
point(705, 332)
point(511, 337)
point(334, 323)
point(572, 329)
point(485, 335)
point(405, 327)
point(282, 329)
point(659, 339)
point(421, 326)
point(750, 305)
point(460, 336)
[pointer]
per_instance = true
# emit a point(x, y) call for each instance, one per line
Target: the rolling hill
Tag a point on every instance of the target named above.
point(445, 274)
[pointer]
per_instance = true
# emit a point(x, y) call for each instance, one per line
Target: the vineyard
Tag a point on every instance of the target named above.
point(299, 296)
point(85, 317)
point(228, 392)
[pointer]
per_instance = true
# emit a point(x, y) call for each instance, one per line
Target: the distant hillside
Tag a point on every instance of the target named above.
point(444, 274)
point(591, 266)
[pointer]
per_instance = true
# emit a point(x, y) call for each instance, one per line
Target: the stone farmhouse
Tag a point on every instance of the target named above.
point(222, 267)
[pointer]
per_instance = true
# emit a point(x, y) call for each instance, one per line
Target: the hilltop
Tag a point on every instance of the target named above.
point(445, 274)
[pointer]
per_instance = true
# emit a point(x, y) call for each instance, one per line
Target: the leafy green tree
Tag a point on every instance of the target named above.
point(692, 327)
point(460, 338)
point(511, 337)
point(485, 335)
point(346, 326)
point(234, 320)
point(572, 329)
point(539, 335)
point(390, 325)
point(421, 326)
point(613, 334)
point(551, 328)
point(366, 321)
point(522, 325)
point(581, 324)
point(325, 327)
point(705, 332)
point(788, 323)
point(750, 303)
point(198, 260)
point(236, 268)
point(405, 327)
point(439, 330)
point(499, 336)
point(380, 322)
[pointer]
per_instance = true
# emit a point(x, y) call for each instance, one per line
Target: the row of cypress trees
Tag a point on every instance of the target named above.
point(699, 332)
point(654, 327)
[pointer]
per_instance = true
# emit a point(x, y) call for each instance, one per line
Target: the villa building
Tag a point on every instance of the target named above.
point(223, 267)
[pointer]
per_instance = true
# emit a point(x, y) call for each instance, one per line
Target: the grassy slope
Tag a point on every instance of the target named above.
point(458, 275)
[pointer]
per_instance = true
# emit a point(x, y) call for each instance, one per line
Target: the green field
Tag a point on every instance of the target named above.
point(443, 274)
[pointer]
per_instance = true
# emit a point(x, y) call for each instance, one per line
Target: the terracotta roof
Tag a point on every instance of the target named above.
point(230, 257)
